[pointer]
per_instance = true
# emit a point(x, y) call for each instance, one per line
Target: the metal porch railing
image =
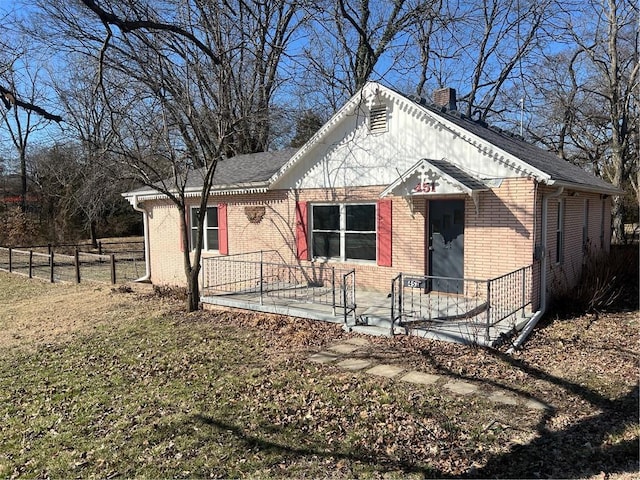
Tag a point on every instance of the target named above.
point(425, 301)
point(266, 275)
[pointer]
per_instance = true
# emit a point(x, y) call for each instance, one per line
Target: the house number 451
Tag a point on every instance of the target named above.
point(426, 187)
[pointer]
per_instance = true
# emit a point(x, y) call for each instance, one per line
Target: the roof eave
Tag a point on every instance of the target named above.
point(190, 192)
point(586, 188)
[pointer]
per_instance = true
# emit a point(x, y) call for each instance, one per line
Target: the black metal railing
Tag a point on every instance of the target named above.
point(510, 294)
point(423, 301)
point(267, 275)
point(349, 295)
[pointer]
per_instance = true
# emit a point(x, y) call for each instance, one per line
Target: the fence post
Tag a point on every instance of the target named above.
point(10, 260)
point(51, 264)
point(113, 268)
point(49, 248)
point(30, 263)
point(99, 247)
point(76, 261)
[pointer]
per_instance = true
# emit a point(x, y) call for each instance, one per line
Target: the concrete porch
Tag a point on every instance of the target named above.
point(373, 316)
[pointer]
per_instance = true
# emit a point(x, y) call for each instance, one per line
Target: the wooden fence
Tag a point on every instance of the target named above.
point(46, 262)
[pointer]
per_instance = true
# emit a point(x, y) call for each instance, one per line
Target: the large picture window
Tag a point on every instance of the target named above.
point(211, 237)
point(344, 231)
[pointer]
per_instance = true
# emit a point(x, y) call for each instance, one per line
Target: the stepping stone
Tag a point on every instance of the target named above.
point(420, 378)
point(460, 387)
point(361, 342)
point(354, 364)
point(323, 357)
point(532, 404)
point(388, 371)
point(502, 397)
point(344, 348)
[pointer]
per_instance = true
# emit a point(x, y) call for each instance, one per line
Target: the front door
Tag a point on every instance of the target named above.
point(446, 244)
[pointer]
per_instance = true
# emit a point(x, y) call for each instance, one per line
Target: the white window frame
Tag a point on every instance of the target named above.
point(560, 233)
point(585, 227)
point(193, 227)
point(602, 212)
point(342, 208)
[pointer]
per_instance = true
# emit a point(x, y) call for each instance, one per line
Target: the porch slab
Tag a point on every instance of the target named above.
point(388, 371)
point(354, 364)
point(373, 315)
point(420, 378)
point(324, 357)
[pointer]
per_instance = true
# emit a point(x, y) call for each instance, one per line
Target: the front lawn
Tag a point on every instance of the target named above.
point(101, 382)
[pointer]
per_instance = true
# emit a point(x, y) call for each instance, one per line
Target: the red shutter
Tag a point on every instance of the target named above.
point(384, 233)
point(223, 231)
point(302, 235)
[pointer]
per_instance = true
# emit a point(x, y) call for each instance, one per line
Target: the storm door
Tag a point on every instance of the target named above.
point(446, 245)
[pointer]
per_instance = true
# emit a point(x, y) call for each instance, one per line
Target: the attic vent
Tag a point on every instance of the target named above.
point(378, 119)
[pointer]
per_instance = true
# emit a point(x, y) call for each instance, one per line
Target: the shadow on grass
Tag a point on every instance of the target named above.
point(585, 448)
point(369, 458)
point(579, 450)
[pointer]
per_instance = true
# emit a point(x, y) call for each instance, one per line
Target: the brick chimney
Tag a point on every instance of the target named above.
point(445, 97)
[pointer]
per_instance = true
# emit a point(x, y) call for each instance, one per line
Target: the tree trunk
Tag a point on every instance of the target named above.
point(193, 295)
point(92, 233)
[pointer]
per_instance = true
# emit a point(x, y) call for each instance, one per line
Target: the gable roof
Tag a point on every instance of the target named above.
point(427, 170)
point(559, 170)
point(258, 172)
point(545, 166)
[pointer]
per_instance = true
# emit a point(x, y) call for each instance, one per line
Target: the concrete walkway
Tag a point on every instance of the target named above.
point(341, 354)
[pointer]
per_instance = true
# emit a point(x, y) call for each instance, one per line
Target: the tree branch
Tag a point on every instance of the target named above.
point(9, 98)
point(132, 25)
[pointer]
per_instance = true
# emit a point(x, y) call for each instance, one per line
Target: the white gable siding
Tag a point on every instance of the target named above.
point(349, 155)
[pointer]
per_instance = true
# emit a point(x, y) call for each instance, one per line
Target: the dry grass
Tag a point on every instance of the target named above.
point(101, 382)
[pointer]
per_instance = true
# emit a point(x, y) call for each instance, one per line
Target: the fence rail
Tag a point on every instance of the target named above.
point(79, 267)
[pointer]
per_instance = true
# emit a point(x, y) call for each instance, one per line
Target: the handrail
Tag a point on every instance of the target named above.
point(421, 300)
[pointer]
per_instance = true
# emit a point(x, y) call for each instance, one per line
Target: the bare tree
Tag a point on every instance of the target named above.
point(22, 120)
point(590, 92)
point(348, 39)
point(501, 38)
point(200, 79)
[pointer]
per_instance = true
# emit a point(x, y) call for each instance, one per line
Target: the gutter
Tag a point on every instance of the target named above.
point(528, 328)
point(145, 222)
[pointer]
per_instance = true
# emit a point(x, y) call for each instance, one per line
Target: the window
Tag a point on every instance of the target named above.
point(210, 238)
point(585, 227)
point(602, 212)
point(378, 119)
point(560, 233)
point(345, 231)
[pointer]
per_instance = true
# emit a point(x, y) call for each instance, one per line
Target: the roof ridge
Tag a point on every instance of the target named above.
point(422, 101)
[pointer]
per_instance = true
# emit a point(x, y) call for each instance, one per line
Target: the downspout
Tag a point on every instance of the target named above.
point(145, 222)
point(528, 328)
